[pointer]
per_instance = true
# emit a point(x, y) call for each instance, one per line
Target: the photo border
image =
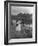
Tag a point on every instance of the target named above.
point(6, 14)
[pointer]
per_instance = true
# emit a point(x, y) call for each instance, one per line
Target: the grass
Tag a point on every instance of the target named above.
point(20, 34)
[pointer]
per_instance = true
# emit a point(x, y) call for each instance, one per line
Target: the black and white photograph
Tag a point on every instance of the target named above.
point(20, 22)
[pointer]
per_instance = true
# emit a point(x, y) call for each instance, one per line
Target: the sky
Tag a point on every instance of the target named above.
point(20, 9)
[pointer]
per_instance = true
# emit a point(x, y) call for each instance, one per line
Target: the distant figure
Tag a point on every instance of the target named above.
point(14, 22)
